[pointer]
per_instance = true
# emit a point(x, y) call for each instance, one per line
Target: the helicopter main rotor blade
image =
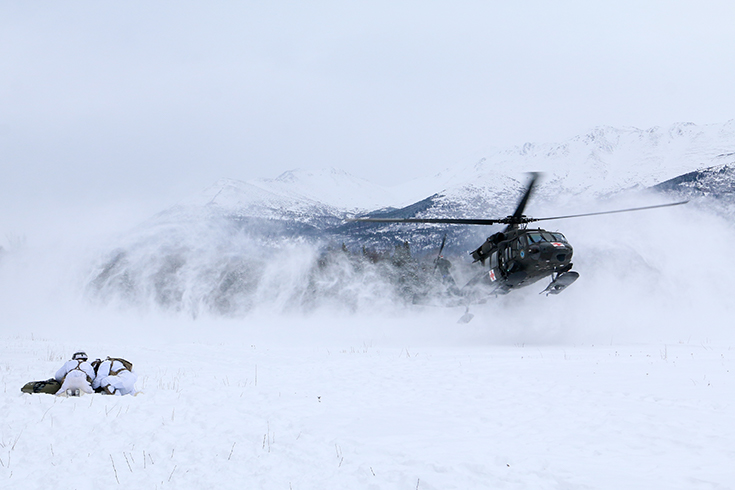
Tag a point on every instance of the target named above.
point(608, 212)
point(510, 220)
point(444, 241)
point(449, 221)
point(441, 249)
point(517, 215)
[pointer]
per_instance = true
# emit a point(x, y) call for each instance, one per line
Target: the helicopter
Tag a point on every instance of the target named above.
point(517, 256)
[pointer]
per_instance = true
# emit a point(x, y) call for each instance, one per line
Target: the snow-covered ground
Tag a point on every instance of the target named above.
point(372, 403)
point(623, 381)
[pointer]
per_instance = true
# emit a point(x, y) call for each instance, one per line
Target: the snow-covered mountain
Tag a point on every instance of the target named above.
point(712, 188)
point(295, 193)
point(243, 200)
point(214, 250)
point(334, 187)
point(601, 163)
point(604, 161)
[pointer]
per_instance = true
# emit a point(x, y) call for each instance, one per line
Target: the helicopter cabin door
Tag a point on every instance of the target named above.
point(506, 258)
point(511, 255)
point(494, 273)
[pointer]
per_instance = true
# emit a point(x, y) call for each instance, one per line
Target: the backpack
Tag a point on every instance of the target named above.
point(127, 365)
point(50, 386)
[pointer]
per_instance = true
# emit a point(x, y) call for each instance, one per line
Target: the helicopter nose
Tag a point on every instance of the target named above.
point(562, 252)
point(552, 252)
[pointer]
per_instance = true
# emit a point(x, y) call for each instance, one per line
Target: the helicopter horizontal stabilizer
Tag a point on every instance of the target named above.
point(561, 282)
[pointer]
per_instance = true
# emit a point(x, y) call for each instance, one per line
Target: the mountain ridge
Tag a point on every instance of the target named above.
point(597, 164)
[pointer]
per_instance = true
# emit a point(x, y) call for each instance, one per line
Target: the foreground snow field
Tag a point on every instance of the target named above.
point(282, 411)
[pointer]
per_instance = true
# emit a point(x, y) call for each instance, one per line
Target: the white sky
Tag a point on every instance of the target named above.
point(146, 102)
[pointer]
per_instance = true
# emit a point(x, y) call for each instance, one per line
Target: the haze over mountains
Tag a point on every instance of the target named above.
point(601, 163)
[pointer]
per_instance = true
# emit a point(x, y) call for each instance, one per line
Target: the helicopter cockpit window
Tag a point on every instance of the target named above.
point(534, 237)
point(544, 236)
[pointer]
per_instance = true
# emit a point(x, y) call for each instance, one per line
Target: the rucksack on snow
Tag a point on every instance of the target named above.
point(50, 386)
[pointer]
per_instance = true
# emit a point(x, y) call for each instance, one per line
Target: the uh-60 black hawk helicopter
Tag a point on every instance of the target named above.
point(518, 255)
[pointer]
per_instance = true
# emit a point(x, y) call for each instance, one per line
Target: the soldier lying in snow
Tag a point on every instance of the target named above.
point(115, 376)
point(75, 375)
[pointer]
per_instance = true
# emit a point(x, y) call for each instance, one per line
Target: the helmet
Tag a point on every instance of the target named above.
point(79, 356)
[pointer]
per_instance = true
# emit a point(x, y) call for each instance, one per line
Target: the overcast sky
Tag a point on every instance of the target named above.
point(142, 101)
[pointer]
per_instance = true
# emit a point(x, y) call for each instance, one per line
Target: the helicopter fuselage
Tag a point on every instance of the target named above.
point(520, 257)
